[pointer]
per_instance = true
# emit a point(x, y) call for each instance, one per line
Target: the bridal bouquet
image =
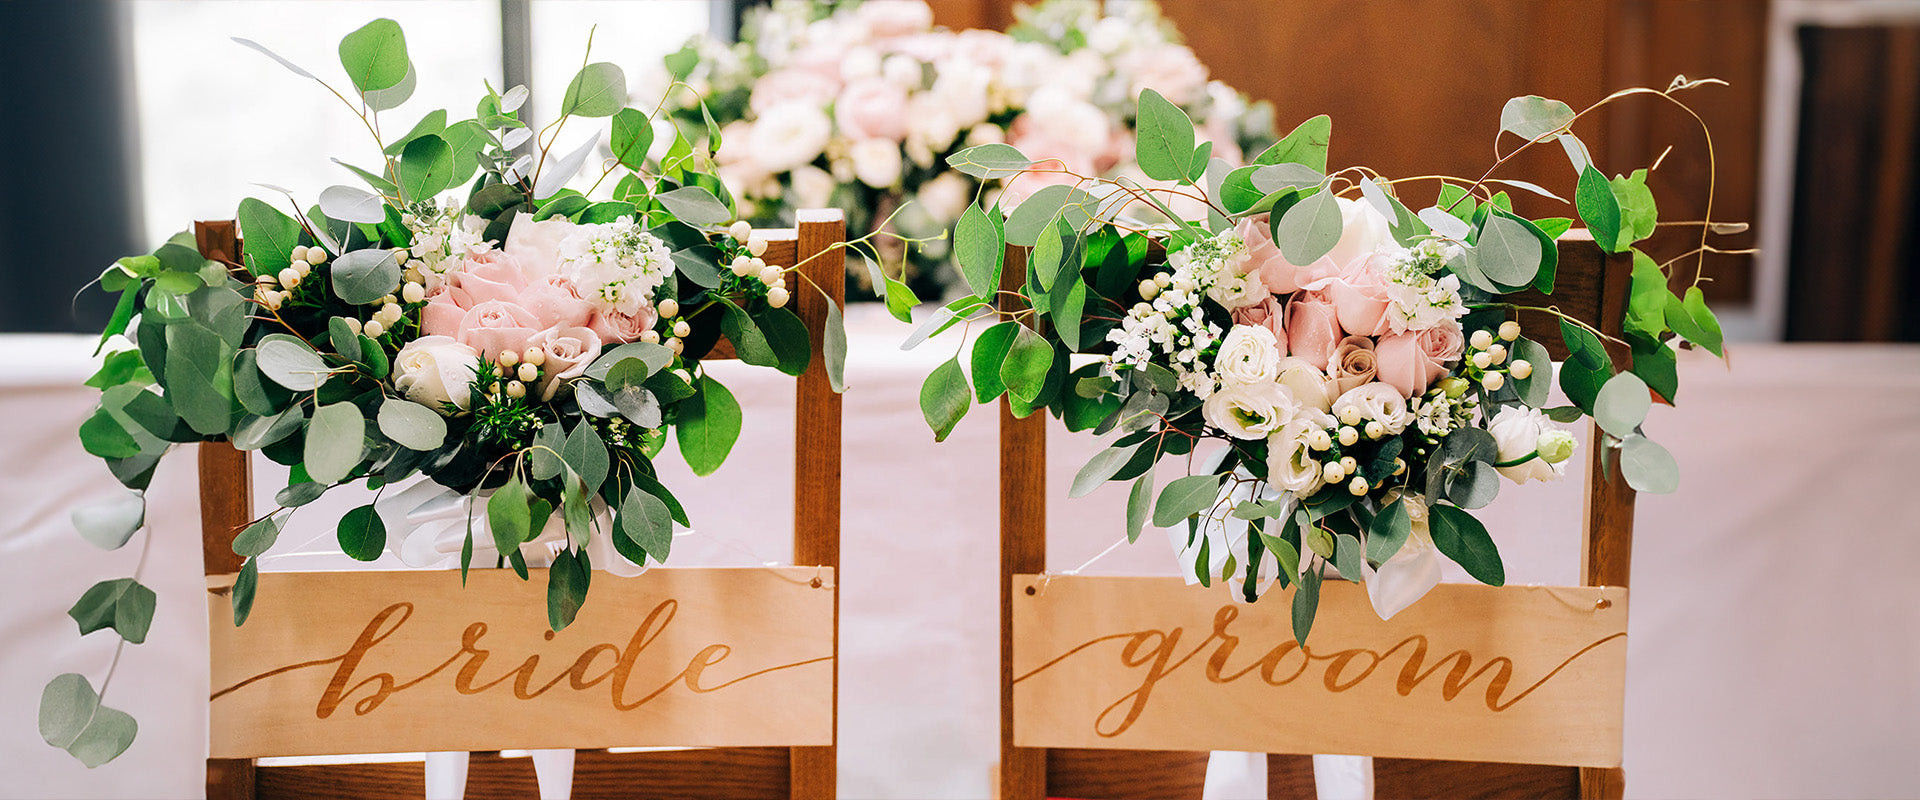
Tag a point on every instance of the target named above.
point(523, 346)
point(1355, 364)
point(858, 105)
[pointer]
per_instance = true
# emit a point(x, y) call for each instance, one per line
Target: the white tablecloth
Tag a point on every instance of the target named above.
point(1773, 645)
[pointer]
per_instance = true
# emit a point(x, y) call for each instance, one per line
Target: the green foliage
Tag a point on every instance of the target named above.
point(1164, 139)
point(979, 249)
point(567, 582)
point(1306, 601)
point(1039, 211)
point(598, 90)
point(1184, 498)
point(1694, 321)
point(943, 398)
point(124, 605)
point(1305, 145)
point(833, 346)
point(1533, 117)
point(335, 438)
point(989, 161)
point(1638, 213)
point(375, 56)
point(1024, 372)
point(695, 205)
point(271, 236)
point(1388, 533)
point(361, 277)
point(1139, 505)
point(109, 525)
point(72, 719)
point(1507, 251)
point(425, 168)
point(362, 534)
point(632, 137)
point(1598, 208)
point(1587, 366)
point(1309, 229)
point(1622, 404)
point(1647, 466)
point(709, 424)
point(412, 425)
point(1463, 539)
point(1536, 388)
point(258, 537)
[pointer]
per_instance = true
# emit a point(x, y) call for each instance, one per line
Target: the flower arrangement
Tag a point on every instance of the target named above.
point(857, 105)
point(1342, 376)
point(524, 347)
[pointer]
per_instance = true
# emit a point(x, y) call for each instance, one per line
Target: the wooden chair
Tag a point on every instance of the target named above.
point(1592, 286)
point(729, 772)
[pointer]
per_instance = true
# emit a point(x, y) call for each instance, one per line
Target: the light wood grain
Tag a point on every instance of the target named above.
point(1514, 674)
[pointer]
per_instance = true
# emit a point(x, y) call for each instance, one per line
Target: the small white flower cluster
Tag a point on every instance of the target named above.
point(1217, 264)
point(1416, 300)
point(289, 278)
point(1170, 323)
point(442, 239)
point(616, 266)
point(1441, 412)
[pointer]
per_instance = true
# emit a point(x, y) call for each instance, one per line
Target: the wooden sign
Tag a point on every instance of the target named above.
point(1474, 673)
point(378, 662)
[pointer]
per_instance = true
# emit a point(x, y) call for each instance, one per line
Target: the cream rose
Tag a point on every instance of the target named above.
point(1380, 402)
point(1249, 412)
point(1518, 432)
point(1352, 365)
point(789, 135)
point(1249, 355)
point(569, 352)
point(876, 162)
point(1305, 382)
point(436, 370)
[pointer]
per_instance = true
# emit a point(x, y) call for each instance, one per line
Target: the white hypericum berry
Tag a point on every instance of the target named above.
point(373, 329)
point(741, 266)
point(516, 389)
point(740, 231)
point(1149, 290)
point(650, 337)
point(289, 278)
point(316, 256)
point(509, 358)
point(1509, 330)
point(1332, 473)
point(1480, 340)
point(777, 297)
point(534, 356)
point(757, 246)
point(681, 329)
point(527, 372)
point(1163, 280)
point(1348, 436)
point(769, 275)
point(354, 325)
point(385, 299)
point(268, 298)
point(1319, 440)
point(413, 292)
point(1493, 381)
point(1399, 467)
point(266, 280)
point(1349, 464)
point(669, 308)
point(1483, 359)
point(1521, 368)
point(1498, 353)
point(301, 266)
point(1375, 430)
point(1350, 415)
point(1358, 486)
point(676, 345)
point(391, 313)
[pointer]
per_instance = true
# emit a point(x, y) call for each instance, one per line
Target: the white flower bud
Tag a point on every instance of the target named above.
point(269, 298)
point(534, 356)
point(777, 297)
point(1521, 368)
point(1375, 430)
point(1358, 486)
point(650, 337)
point(516, 389)
point(1349, 465)
point(757, 246)
point(1483, 359)
point(669, 308)
point(1332, 473)
point(769, 275)
point(1498, 353)
point(1348, 436)
point(1149, 290)
point(373, 329)
point(413, 292)
point(1509, 330)
point(1142, 309)
point(266, 280)
point(1492, 381)
point(1350, 415)
point(289, 278)
point(509, 358)
point(527, 372)
point(740, 231)
point(741, 266)
point(1480, 340)
point(676, 345)
point(681, 329)
point(1319, 440)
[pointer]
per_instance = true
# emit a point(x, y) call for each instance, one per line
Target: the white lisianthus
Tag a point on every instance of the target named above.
point(789, 135)
point(1250, 411)
point(436, 370)
point(1380, 402)
point(876, 162)
point(1249, 355)
point(1290, 462)
point(1519, 433)
point(1307, 383)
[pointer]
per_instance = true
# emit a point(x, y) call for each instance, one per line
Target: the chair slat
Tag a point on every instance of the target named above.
point(1133, 775)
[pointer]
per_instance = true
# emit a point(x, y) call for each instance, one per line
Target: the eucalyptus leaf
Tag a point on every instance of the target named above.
point(586, 455)
point(1184, 498)
point(1139, 505)
point(412, 425)
point(1593, 197)
point(257, 538)
point(979, 250)
point(1648, 467)
point(110, 524)
point(262, 49)
point(1039, 211)
point(1389, 532)
point(393, 96)
point(352, 205)
point(1100, 469)
point(1533, 117)
point(708, 426)
point(335, 439)
point(510, 519)
point(375, 56)
point(598, 90)
point(359, 277)
point(67, 704)
point(1164, 139)
point(647, 522)
point(1506, 251)
point(990, 161)
point(1463, 539)
point(122, 604)
point(1306, 145)
point(555, 174)
point(944, 398)
point(695, 205)
point(1622, 404)
point(833, 346)
point(1309, 229)
point(425, 168)
point(1029, 357)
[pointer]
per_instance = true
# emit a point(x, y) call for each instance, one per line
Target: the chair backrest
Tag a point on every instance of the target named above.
point(1590, 285)
point(733, 772)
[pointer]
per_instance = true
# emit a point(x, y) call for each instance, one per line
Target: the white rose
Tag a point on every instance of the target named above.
point(813, 187)
point(1305, 381)
point(1249, 355)
point(1363, 231)
point(876, 162)
point(789, 135)
point(946, 197)
point(1517, 431)
point(1290, 463)
point(436, 370)
point(1379, 401)
point(1250, 412)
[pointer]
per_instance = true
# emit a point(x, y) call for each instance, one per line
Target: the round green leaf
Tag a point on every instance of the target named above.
point(257, 538)
point(290, 362)
point(1533, 116)
point(990, 161)
point(1622, 404)
point(375, 56)
point(109, 734)
point(66, 705)
point(348, 204)
point(632, 136)
point(1506, 252)
point(944, 398)
point(1164, 139)
point(709, 424)
point(359, 277)
point(599, 90)
point(109, 525)
point(425, 168)
point(384, 99)
point(1309, 229)
point(1647, 466)
point(412, 425)
point(1029, 358)
point(1537, 388)
point(362, 533)
point(104, 436)
point(335, 439)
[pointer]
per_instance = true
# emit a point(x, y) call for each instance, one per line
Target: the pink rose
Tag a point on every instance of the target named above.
point(490, 276)
point(887, 18)
point(1172, 70)
point(535, 246)
point(496, 325)
point(555, 303)
point(1353, 365)
point(1359, 291)
point(1263, 256)
point(569, 352)
point(872, 108)
point(1313, 328)
point(1266, 314)
point(785, 85)
point(1410, 362)
point(442, 315)
point(615, 327)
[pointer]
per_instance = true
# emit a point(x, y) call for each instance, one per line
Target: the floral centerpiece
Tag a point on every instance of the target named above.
point(522, 345)
point(1342, 377)
point(858, 105)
